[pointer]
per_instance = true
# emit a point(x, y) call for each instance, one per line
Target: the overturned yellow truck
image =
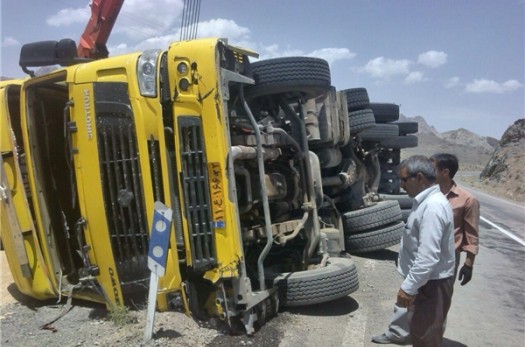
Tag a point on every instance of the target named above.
point(230, 146)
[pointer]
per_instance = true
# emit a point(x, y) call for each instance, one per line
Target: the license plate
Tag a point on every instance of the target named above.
point(217, 193)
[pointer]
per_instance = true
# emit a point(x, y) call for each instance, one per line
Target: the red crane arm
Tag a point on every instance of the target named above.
point(92, 43)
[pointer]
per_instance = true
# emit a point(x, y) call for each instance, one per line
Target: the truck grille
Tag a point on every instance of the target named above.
point(196, 192)
point(122, 184)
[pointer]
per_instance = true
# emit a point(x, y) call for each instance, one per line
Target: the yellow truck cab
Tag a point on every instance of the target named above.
point(229, 145)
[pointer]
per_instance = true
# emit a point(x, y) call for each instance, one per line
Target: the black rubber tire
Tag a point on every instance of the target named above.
point(404, 201)
point(390, 157)
point(407, 141)
point(361, 120)
point(406, 128)
point(385, 113)
point(375, 240)
point(373, 217)
point(334, 281)
point(356, 98)
point(380, 132)
point(309, 77)
point(388, 187)
point(405, 213)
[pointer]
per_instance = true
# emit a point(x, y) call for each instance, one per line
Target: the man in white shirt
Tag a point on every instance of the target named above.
point(426, 257)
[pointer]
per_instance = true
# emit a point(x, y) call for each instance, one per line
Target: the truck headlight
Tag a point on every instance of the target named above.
point(147, 72)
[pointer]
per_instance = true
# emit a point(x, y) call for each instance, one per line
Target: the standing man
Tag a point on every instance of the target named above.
point(426, 257)
point(466, 213)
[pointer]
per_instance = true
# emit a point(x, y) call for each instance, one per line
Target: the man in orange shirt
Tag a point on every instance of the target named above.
point(466, 213)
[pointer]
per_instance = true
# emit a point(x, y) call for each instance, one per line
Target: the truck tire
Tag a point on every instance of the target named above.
point(334, 281)
point(385, 113)
point(404, 201)
point(407, 141)
point(379, 132)
point(369, 218)
point(360, 120)
point(389, 187)
point(406, 128)
point(375, 240)
point(309, 77)
point(405, 213)
point(356, 98)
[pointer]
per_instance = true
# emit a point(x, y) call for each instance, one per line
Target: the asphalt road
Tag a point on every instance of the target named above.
point(490, 311)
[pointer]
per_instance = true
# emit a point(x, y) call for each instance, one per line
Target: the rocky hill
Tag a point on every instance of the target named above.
point(472, 150)
point(505, 169)
point(468, 138)
point(499, 162)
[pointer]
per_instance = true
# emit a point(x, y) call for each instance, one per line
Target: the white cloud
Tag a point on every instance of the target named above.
point(274, 51)
point(432, 59)
point(139, 19)
point(270, 51)
point(386, 68)
point(10, 42)
point(223, 28)
point(332, 54)
point(119, 49)
point(161, 42)
point(489, 86)
point(414, 77)
point(452, 82)
point(68, 16)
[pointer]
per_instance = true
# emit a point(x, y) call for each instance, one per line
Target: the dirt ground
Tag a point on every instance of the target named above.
point(87, 324)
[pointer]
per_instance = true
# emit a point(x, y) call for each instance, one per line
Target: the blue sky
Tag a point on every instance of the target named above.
point(457, 63)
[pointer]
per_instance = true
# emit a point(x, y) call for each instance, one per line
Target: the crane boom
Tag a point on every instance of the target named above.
point(93, 41)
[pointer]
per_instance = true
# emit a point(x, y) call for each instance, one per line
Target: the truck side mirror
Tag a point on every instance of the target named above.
point(45, 53)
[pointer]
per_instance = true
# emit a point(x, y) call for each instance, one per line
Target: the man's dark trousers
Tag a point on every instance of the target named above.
point(429, 311)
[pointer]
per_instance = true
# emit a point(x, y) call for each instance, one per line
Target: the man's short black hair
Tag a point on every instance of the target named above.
point(446, 161)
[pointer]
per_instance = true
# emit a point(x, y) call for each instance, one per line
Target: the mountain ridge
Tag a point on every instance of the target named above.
point(491, 165)
point(473, 151)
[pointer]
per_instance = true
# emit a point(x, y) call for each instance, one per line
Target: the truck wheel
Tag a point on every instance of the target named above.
point(407, 141)
point(389, 186)
point(385, 113)
point(375, 240)
point(382, 213)
point(379, 132)
point(361, 120)
point(405, 213)
point(304, 76)
point(405, 201)
point(407, 127)
point(336, 280)
point(356, 98)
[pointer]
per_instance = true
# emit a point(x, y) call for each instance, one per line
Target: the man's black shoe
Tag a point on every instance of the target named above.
point(385, 339)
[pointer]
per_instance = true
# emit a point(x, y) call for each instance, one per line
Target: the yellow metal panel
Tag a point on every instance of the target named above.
point(49, 257)
point(203, 99)
point(90, 195)
point(17, 231)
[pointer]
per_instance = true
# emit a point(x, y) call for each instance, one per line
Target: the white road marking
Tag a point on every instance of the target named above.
point(507, 233)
